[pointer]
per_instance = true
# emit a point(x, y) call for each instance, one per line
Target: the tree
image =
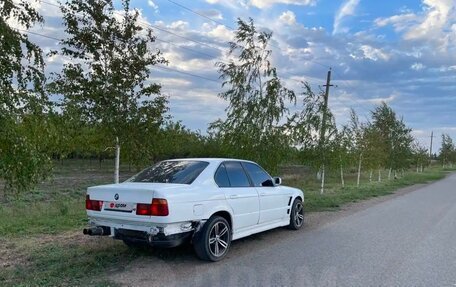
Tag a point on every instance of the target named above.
point(342, 145)
point(396, 138)
point(447, 151)
point(356, 134)
point(420, 156)
point(304, 128)
point(22, 160)
point(107, 82)
point(256, 98)
point(374, 150)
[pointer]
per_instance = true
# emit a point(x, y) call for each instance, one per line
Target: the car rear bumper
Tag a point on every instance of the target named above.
point(153, 234)
point(158, 240)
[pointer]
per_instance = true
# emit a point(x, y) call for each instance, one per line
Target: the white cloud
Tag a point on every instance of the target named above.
point(288, 18)
point(222, 33)
point(436, 18)
point(347, 9)
point(418, 66)
point(178, 25)
point(268, 3)
point(378, 101)
point(371, 53)
point(399, 22)
point(433, 25)
point(374, 53)
point(152, 4)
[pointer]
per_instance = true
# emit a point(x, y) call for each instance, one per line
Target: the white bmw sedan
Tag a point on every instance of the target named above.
point(207, 201)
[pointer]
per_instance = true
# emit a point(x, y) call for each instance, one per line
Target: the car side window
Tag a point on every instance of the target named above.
point(236, 174)
point(257, 174)
point(221, 177)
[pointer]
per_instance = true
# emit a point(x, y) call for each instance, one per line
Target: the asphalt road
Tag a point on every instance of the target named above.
point(408, 240)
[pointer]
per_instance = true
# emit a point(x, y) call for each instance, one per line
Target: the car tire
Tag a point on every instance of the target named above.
point(213, 241)
point(297, 215)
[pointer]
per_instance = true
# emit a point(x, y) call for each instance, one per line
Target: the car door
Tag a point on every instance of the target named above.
point(273, 200)
point(240, 194)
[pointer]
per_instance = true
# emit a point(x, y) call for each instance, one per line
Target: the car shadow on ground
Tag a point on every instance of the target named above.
point(241, 247)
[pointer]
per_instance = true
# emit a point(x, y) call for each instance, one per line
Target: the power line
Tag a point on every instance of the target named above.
point(155, 27)
point(184, 47)
point(148, 25)
point(186, 73)
point(160, 67)
point(37, 34)
point(233, 29)
point(200, 14)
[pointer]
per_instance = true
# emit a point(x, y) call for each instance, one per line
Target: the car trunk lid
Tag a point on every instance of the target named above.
point(123, 198)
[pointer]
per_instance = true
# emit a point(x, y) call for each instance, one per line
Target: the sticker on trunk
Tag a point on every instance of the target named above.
point(118, 206)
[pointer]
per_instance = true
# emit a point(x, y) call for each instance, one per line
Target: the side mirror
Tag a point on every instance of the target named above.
point(277, 180)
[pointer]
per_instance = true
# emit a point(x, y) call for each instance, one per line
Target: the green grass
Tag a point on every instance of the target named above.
point(32, 225)
point(69, 264)
point(335, 196)
point(56, 205)
point(29, 218)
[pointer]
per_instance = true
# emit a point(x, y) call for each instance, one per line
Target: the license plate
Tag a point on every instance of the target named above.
point(119, 206)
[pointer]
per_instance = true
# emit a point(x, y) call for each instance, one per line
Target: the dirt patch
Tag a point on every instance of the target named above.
point(15, 251)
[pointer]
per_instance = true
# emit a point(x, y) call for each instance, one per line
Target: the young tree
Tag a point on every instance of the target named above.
point(305, 129)
point(107, 81)
point(374, 150)
point(396, 138)
point(447, 150)
point(356, 133)
point(342, 146)
point(256, 99)
point(420, 156)
point(22, 160)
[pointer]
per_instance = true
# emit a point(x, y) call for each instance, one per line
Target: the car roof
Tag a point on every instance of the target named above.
point(210, 159)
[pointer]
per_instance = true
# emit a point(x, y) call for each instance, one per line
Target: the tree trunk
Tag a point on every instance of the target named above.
point(395, 174)
point(389, 173)
point(421, 168)
point(379, 175)
point(322, 190)
point(117, 162)
point(370, 175)
point(342, 176)
point(359, 170)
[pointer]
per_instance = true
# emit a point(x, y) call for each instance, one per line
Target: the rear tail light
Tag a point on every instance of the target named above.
point(158, 207)
point(93, 204)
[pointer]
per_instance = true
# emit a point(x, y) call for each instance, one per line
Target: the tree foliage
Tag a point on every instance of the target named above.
point(22, 98)
point(447, 151)
point(107, 82)
point(256, 98)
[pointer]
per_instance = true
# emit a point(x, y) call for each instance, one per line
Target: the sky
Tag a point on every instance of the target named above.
point(402, 52)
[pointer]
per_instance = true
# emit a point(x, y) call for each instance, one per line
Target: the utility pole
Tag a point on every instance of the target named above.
point(430, 149)
point(323, 128)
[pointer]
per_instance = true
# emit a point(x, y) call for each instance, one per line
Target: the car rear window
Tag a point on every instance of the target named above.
point(183, 172)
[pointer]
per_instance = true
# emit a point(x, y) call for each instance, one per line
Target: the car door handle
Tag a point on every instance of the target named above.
point(233, 196)
point(262, 193)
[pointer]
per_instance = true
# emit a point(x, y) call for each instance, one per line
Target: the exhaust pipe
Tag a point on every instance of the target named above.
point(97, 230)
